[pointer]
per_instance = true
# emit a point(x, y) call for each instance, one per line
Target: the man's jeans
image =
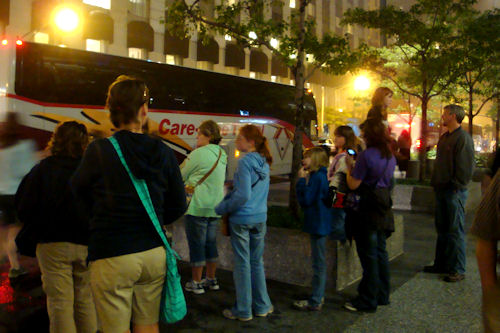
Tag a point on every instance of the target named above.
point(318, 248)
point(374, 287)
point(247, 241)
point(450, 221)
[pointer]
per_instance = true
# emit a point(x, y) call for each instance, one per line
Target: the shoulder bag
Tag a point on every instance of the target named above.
point(173, 304)
point(190, 189)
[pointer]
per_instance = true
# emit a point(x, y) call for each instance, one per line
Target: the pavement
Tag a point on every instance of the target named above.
point(419, 302)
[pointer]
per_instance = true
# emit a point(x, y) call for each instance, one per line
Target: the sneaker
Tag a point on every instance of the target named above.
point(354, 308)
point(434, 270)
point(229, 315)
point(271, 310)
point(17, 272)
point(454, 277)
point(211, 284)
point(194, 287)
point(304, 305)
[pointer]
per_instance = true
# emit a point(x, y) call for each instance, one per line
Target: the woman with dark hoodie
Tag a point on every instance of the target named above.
point(44, 199)
point(127, 255)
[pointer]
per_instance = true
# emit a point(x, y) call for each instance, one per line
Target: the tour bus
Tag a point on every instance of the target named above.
point(48, 84)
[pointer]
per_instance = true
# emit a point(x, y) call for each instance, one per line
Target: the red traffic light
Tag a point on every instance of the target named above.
point(418, 144)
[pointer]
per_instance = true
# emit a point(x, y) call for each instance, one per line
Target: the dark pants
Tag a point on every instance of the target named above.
point(374, 287)
point(450, 223)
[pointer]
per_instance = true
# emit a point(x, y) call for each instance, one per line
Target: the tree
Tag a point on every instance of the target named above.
point(478, 62)
point(246, 22)
point(422, 43)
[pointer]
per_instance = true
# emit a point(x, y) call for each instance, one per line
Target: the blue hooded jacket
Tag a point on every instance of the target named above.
point(318, 217)
point(247, 203)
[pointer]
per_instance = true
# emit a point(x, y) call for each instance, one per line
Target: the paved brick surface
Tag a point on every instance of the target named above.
point(419, 302)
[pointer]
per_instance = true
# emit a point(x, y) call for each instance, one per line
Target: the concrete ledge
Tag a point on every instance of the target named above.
point(287, 255)
point(421, 199)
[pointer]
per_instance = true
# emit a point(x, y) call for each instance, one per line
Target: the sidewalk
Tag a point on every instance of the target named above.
point(419, 302)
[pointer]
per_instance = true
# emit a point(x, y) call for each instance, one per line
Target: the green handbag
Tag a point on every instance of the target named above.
point(173, 304)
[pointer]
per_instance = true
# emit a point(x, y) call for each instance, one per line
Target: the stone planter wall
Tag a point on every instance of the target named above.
point(287, 255)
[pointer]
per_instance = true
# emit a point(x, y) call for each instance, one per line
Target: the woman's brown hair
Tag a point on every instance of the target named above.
point(210, 129)
point(375, 135)
point(253, 133)
point(10, 131)
point(319, 158)
point(348, 134)
point(69, 139)
point(379, 95)
point(125, 97)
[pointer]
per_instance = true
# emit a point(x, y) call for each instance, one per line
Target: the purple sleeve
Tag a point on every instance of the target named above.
point(361, 167)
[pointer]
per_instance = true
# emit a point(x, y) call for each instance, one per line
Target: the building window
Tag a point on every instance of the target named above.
point(136, 53)
point(252, 75)
point(94, 45)
point(292, 3)
point(42, 38)
point(311, 9)
point(273, 78)
point(138, 7)
point(205, 65)
point(106, 4)
point(292, 82)
point(170, 59)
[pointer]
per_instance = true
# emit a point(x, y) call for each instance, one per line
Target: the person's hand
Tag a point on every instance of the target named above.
point(302, 173)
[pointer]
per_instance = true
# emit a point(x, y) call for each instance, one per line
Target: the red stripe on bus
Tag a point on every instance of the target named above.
point(307, 142)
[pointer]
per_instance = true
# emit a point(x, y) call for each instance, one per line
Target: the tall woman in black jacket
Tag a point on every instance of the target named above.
point(44, 199)
point(127, 255)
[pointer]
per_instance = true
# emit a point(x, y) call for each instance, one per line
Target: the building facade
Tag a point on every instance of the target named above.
point(135, 28)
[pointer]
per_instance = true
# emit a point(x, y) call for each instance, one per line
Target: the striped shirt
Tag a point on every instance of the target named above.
point(486, 223)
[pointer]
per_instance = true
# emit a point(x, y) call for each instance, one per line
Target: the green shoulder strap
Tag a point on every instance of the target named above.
point(142, 190)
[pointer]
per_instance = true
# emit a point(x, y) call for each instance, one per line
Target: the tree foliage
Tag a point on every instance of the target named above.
point(249, 22)
point(423, 44)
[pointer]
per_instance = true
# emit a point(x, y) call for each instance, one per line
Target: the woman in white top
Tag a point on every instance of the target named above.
point(16, 160)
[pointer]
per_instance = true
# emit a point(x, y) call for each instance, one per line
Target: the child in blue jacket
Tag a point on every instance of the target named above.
point(311, 188)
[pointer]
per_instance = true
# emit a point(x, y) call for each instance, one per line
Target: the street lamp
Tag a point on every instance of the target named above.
point(66, 19)
point(361, 83)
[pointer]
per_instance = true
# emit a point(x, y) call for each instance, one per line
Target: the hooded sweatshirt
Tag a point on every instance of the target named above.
point(211, 191)
point(44, 199)
point(119, 223)
point(247, 203)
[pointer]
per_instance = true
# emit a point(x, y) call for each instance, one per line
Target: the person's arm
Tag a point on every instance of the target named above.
point(308, 191)
point(463, 162)
point(27, 196)
point(486, 255)
point(82, 180)
point(189, 166)
point(241, 193)
point(355, 173)
point(175, 198)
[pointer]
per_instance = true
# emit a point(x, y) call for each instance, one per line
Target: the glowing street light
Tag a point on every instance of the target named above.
point(361, 83)
point(66, 19)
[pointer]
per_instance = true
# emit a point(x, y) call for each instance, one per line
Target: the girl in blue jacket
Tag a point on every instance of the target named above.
point(311, 188)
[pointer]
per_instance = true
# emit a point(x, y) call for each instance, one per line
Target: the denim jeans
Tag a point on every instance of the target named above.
point(318, 248)
point(201, 233)
point(247, 241)
point(374, 288)
point(450, 223)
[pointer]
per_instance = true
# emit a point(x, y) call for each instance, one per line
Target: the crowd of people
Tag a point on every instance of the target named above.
point(103, 264)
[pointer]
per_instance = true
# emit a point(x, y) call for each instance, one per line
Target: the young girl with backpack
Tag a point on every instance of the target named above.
point(345, 139)
point(312, 189)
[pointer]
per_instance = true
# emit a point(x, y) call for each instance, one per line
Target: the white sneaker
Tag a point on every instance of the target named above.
point(194, 287)
point(211, 284)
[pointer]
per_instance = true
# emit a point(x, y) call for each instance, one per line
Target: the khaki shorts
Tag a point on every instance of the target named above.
point(128, 288)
